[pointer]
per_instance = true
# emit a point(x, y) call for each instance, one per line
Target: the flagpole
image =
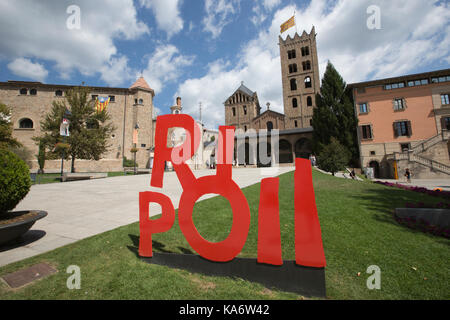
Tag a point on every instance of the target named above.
point(295, 22)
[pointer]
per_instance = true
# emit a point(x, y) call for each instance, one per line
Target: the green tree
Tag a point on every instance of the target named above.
point(333, 157)
point(6, 128)
point(89, 129)
point(334, 115)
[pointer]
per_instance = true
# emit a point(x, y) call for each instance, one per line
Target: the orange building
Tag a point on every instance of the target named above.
point(404, 122)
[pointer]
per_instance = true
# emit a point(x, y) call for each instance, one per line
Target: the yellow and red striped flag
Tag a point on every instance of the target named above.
point(288, 24)
point(102, 103)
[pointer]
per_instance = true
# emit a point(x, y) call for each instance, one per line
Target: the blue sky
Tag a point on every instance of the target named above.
point(202, 50)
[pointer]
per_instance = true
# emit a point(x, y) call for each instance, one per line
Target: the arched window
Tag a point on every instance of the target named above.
point(58, 93)
point(26, 124)
point(293, 84)
point(309, 102)
point(308, 83)
point(293, 68)
point(294, 103)
point(33, 92)
point(24, 91)
point(269, 126)
point(141, 101)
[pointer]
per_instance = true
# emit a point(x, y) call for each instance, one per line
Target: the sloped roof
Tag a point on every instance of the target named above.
point(141, 83)
point(245, 90)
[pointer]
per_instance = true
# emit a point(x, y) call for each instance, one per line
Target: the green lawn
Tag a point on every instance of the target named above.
point(357, 229)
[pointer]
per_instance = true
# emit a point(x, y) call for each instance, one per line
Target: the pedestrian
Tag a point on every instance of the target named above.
point(408, 175)
point(353, 174)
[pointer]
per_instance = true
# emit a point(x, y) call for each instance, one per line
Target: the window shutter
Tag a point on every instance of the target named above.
point(360, 132)
point(409, 129)
point(395, 130)
point(371, 131)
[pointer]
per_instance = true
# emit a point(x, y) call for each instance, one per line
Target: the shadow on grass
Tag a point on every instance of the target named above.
point(384, 201)
point(157, 246)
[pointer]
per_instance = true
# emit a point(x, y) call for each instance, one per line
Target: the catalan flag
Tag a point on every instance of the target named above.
point(102, 103)
point(288, 24)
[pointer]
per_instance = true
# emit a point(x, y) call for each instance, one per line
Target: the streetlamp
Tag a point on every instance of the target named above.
point(135, 138)
point(64, 132)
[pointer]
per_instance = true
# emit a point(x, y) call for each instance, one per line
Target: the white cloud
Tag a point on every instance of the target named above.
point(167, 14)
point(413, 34)
point(270, 4)
point(25, 68)
point(218, 14)
point(165, 65)
point(41, 33)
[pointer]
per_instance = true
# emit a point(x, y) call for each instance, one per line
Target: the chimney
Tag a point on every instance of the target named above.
point(179, 101)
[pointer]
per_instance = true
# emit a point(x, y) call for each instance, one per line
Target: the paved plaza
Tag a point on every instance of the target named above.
point(80, 209)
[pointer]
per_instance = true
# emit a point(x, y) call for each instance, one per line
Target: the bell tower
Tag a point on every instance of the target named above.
point(300, 78)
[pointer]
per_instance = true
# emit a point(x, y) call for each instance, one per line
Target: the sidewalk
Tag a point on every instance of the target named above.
point(81, 209)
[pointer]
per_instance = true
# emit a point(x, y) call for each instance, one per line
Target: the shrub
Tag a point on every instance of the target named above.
point(127, 162)
point(333, 157)
point(15, 180)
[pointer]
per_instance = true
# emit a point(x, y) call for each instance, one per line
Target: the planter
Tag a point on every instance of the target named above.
point(19, 224)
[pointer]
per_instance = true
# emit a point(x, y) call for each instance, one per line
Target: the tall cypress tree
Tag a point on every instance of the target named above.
point(334, 115)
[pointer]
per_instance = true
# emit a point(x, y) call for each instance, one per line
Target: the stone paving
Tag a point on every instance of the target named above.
point(80, 209)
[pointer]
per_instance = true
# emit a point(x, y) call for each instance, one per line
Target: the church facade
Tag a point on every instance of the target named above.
point(300, 83)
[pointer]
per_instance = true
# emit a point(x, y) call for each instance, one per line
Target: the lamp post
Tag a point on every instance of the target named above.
point(135, 138)
point(64, 132)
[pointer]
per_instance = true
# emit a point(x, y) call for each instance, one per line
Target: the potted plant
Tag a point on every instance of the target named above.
point(15, 184)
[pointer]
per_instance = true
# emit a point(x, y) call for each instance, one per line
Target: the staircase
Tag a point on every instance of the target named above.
point(412, 155)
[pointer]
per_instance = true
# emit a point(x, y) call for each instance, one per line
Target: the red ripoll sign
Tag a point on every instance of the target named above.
point(308, 241)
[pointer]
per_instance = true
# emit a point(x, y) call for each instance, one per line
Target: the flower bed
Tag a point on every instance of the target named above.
point(434, 193)
point(422, 225)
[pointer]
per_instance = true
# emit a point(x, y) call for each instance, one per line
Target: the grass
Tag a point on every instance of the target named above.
point(357, 229)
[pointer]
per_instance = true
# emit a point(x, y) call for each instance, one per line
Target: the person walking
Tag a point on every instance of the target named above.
point(408, 175)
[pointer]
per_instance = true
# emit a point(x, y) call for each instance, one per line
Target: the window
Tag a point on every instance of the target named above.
point(291, 54)
point(58, 93)
point(33, 92)
point(26, 124)
point(245, 128)
point(372, 153)
point(269, 126)
point(402, 129)
point(366, 132)
point(293, 84)
point(363, 108)
point(445, 123)
point(308, 83)
point(413, 83)
point(143, 145)
point(24, 91)
point(245, 110)
point(405, 147)
point(234, 112)
point(445, 99)
point(361, 90)
point(309, 102)
point(305, 51)
point(293, 68)
point(310, 122)
point(112, 98)
point(399, 104)
point(294, 103)
point(394, 86)
point(141, 101)
point(306, 65)
point(135, 101)
point(296, 123)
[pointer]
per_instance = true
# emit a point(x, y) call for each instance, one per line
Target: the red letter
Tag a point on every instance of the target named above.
point(269, 239)
point(163, 153)
point(223, 185)
point(308, 239)
point(146, 226)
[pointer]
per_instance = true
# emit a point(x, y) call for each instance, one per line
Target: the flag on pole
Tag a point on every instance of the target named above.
point(102, 103)
point(288, 24)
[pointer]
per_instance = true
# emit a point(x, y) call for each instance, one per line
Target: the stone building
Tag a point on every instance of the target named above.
point(129, 108)
point(301, 83)
point(404, 122)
